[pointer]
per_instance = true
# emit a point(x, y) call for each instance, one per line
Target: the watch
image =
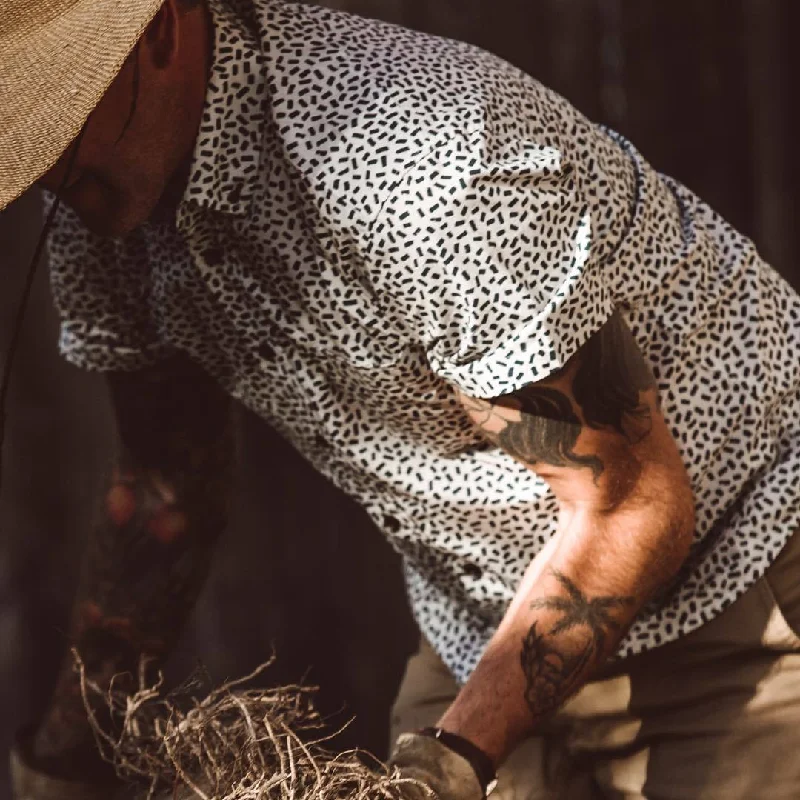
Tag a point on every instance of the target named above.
point(478, 760)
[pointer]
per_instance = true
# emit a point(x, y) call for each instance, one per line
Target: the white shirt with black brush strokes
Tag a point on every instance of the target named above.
point(376, 216)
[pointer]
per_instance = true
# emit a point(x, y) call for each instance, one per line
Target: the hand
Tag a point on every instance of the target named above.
point(433, 770)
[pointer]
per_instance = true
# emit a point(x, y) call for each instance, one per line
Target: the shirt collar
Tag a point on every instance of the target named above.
point(227, 154)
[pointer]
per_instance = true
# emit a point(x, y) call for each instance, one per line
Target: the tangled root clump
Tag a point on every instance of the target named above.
point(233, 743)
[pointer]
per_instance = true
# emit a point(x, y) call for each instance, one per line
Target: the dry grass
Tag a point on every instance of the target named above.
point(231, 743)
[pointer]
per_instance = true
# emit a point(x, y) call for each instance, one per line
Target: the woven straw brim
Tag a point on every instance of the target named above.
point(57, 58)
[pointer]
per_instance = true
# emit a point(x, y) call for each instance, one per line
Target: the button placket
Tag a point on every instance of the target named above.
point(266, 353)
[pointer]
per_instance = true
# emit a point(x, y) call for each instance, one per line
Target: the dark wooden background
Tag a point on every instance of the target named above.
point(705, 89)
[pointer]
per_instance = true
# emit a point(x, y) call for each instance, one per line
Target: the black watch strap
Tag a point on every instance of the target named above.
point(478, 760)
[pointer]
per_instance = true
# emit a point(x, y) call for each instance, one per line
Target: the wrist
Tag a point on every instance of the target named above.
point(488, 710)
point(481, 763)
point(429, 766)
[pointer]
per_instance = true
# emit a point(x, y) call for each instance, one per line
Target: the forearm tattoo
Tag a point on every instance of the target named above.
point(555, 662)
point(540, 424)
point(147, 558)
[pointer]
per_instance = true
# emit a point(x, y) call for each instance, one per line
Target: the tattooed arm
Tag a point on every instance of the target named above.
point(148, 556)
point(595, 433)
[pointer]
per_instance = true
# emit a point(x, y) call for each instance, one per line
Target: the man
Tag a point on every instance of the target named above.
point(564, 388)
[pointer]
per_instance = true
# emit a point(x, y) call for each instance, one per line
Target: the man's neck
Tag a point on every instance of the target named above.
point(167, 206)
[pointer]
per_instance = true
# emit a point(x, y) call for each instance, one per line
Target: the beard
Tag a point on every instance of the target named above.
point(113, 206)
point(106, 208)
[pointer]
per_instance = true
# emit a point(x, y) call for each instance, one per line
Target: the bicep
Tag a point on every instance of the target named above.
point(591, 429)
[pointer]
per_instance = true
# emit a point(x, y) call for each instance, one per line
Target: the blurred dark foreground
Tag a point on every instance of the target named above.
point(705, 91)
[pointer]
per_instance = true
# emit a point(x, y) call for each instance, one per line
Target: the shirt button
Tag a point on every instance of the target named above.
point(213, 256)
point(473, 571)
point(392, 524)
point(321, 442)
point(235, 194)
point(266, 352)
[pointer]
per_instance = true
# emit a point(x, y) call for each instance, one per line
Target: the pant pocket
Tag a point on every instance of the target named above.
point(780, 633)
point(425, 692)
point(782, 582)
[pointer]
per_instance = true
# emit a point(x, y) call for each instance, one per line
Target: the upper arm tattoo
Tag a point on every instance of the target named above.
point(546, 431)
point(609, 381)
point(600, 389)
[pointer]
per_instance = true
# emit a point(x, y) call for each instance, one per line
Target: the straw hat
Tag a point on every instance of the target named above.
point(57, 58)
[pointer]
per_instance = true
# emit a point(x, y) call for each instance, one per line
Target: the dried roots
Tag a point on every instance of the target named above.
point(231, 744)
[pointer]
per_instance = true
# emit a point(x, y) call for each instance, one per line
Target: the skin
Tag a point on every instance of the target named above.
point(123, 176)
point(595, 434)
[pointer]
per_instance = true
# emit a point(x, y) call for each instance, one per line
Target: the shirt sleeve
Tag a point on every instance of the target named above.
point(491, 264)
point(102, 291)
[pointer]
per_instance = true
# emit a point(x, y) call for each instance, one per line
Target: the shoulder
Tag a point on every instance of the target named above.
point(338, 78)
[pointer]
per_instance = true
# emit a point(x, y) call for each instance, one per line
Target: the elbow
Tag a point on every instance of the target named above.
point(683, 520)
point(677, 514)
point(664, 517)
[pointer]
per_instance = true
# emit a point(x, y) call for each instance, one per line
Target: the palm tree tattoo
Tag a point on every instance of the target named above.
point(553, 668)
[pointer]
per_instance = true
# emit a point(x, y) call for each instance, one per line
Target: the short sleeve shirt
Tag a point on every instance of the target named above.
point(376, 217)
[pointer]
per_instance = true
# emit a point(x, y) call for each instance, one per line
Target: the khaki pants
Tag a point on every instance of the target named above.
point(713, 716)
